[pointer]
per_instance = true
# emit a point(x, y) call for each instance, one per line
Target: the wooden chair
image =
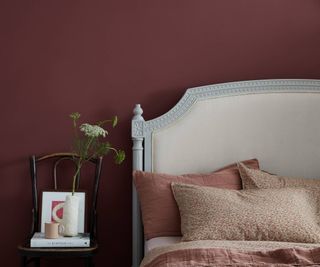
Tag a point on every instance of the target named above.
point(30, 254)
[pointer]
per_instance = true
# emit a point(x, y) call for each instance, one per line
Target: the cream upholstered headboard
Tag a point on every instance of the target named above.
point(276, 121)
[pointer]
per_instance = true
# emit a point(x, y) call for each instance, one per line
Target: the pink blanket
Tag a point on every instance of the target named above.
point(218, 256)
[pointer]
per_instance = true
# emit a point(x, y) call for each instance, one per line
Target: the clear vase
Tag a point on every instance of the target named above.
point(70, 216)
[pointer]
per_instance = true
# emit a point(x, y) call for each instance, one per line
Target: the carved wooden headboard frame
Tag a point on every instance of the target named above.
point(143, 131)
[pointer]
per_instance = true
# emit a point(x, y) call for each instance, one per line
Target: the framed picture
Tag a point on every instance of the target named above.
point(52, 208)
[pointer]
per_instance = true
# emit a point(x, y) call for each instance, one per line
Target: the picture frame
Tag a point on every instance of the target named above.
point(52, 208)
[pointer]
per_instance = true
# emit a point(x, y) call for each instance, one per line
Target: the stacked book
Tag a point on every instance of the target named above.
point(39, 241)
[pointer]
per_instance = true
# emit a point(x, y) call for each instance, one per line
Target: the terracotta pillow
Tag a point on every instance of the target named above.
point(254, 179)
point(160, 214)
point(208, 213)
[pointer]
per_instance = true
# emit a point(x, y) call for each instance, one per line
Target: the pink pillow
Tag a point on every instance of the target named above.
point(160, 213)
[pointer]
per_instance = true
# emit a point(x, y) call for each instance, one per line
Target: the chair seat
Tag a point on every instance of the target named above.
point(26, 250)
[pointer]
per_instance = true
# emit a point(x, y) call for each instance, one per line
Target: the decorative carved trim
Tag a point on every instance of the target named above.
point(137, 129)
point(137, 124)
point(227, 89)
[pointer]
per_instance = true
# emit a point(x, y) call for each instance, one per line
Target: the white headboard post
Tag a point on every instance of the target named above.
point(276, 121)
point(137, 164)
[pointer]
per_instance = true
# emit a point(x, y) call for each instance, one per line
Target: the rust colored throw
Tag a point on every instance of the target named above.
point(227, 256)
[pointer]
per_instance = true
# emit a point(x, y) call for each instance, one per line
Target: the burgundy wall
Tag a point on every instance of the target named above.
point(102, 57)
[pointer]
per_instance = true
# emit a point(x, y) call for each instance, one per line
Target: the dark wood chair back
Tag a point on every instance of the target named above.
point(56, 159)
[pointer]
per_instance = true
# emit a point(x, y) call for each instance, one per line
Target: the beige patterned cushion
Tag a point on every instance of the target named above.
point(288, 214)
point(254, 179)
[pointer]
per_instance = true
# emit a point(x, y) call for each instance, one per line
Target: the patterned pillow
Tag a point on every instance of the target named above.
point(254, 179)
point(160, 214)
point(288, 214)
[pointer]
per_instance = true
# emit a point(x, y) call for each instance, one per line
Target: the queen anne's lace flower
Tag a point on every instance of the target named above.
point(92, 130)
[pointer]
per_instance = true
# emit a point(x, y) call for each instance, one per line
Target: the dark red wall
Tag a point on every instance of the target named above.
point(102, 57)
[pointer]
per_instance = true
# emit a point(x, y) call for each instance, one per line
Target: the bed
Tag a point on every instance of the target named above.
point(275, 121)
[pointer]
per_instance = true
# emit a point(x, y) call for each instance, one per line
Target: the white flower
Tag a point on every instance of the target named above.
point(92, 130)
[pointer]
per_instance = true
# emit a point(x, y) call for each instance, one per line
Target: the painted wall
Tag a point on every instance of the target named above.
point(102, 57)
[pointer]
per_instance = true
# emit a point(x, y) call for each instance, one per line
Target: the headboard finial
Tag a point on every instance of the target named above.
point(137, 112)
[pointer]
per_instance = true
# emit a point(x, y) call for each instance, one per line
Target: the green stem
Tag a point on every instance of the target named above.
point(79, 164)
point(94, 155)
point(90, 140)
point(100, 123)
point(115, 150)
point(76, 136)
point(75, 129)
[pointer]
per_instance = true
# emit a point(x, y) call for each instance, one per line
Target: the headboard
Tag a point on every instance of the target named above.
point(276, 121)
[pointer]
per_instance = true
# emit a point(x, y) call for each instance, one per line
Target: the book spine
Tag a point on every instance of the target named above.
point(46, 243)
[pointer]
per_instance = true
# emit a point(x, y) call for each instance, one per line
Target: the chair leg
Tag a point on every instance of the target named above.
point(88, 262)
point(23, 261)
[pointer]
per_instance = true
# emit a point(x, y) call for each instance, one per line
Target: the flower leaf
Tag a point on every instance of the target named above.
point(119, 156)
point(103, 149)
point(114, 121)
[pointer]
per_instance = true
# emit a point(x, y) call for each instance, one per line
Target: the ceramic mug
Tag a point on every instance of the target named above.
point(53, 230)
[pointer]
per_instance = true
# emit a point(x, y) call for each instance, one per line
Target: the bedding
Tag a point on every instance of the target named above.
point(160, 242)
point(233, 253)
point(254, 179)
point(288, 214)
point(160, 213)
